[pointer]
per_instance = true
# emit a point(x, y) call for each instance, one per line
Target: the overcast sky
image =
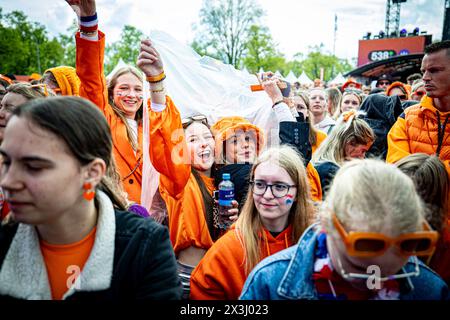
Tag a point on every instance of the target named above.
point(294, 24)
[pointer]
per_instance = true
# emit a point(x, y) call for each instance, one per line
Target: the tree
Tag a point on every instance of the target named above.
point(317, 60)
point(25, 47)
point(126, 48)
point(260, 51)
point(67, 41)
point(226, 26)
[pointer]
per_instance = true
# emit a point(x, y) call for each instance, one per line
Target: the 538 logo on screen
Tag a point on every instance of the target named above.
point(381, 55)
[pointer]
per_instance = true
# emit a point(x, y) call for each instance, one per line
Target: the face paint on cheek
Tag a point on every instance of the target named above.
point(289, 200)
point(120, 94)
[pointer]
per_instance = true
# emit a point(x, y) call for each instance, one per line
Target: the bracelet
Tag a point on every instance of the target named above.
point(277, 103)
point(89, 18)
point(88, 34)
point(159, 90)
point(157, 86)
point(88, 29)
point(155, 79)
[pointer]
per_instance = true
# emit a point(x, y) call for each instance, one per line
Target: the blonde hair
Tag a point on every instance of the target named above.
point(249, 225)
point(117, 110)
point(373, 196)
point(431, 180)
point(29, 91)
point(352, 130)
point(338, 111)
point(334, 96)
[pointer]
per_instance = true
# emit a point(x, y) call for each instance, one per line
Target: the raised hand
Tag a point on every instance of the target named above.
point(270, 84)
point(149, 60)
point(83, 8)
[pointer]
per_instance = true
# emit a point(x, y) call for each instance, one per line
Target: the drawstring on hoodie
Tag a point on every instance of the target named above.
point(286, 242)
point(441, 132)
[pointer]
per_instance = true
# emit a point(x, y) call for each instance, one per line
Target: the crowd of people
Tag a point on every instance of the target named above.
point(352, 204)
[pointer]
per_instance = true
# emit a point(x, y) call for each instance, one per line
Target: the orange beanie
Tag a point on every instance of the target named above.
point(67, 79)
point(227, 126)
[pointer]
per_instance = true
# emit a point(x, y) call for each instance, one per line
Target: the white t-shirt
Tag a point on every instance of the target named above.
point(134, 130)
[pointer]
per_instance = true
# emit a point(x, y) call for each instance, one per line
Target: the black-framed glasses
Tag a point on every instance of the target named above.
point(279, 190)
point(198, 118)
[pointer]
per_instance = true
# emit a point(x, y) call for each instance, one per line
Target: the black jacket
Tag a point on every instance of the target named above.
point(144, 265)
point(381, 114)
point(295, 134)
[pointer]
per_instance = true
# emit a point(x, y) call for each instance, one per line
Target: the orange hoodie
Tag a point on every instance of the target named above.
point(221, 275)
point(177, 184)
point(90, 56)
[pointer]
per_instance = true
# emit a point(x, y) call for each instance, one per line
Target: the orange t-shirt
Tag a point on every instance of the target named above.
point(65, 262)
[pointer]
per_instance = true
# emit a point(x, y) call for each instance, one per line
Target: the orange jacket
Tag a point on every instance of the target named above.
point(416, 130)
point(177, 184)
point(320, 137)
point(221, 275)
point(314, 183)
point(90, 56)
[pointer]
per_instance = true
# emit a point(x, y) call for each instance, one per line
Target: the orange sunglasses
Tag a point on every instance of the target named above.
point(371, 244)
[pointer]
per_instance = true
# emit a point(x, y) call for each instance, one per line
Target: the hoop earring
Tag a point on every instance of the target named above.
point(87, 193)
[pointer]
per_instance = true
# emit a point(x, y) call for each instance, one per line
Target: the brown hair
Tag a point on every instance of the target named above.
point(312, 131)
point(431, 180)
point(208, 201)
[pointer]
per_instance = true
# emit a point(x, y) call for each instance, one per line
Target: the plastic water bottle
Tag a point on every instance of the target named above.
point(226, 197)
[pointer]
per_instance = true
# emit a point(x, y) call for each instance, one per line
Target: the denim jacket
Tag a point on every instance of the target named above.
point(288, 275)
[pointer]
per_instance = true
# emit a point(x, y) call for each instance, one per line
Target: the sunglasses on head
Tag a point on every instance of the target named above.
point(39, 86)
point(198, 118)
point(371, 244)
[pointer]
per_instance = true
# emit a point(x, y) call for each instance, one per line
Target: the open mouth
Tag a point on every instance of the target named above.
point(205, 155)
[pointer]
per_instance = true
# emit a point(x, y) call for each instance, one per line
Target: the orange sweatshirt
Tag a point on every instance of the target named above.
point(177, 184)
point(320, 136)
point(221, 275)
point(90, 56)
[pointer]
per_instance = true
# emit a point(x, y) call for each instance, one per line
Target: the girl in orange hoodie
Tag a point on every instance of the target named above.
point(276, 212)
point(182, 151)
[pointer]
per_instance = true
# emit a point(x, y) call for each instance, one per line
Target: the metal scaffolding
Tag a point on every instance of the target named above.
point(392, 25)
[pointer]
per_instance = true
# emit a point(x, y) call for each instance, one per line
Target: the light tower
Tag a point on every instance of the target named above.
point(446, 27)
point(392, 25)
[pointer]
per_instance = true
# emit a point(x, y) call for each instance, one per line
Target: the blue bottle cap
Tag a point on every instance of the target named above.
point(226, 176)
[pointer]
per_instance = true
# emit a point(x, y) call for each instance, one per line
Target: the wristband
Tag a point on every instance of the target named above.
point(277, 103)
point(89, 18)
point(155, 79)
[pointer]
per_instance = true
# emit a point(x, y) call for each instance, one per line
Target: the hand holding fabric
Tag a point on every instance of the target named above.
point(149, 60)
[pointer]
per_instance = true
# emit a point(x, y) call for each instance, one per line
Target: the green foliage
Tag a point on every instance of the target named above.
point(261, 52)
point(126, 48)
point(225, 27)
point(25, 47)
point(67, 41)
